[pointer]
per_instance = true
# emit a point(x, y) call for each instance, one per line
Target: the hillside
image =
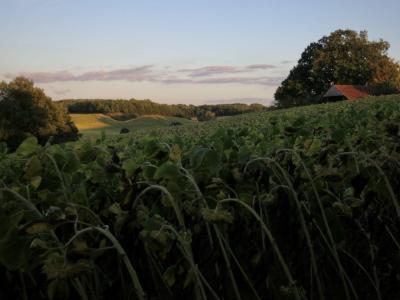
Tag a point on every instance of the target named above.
point(301, 203)
point(91, 125)
point(136, 108)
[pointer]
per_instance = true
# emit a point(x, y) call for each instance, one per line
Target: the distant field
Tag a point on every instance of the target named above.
point(93, 124)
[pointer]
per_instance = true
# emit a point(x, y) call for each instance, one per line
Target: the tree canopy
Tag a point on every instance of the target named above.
point(26, 110)
point(343, 57)
point(128, 109)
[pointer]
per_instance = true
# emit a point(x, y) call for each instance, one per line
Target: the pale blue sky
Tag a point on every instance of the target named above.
point(202, 51)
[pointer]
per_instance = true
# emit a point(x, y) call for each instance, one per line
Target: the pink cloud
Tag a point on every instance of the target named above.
point(131, 74)
point(261, 67)
point(212, 70)
point(268, 81)
point(203, 75)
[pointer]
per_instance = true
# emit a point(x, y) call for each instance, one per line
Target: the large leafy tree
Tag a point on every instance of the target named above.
point(343, 57)
point(26, 110)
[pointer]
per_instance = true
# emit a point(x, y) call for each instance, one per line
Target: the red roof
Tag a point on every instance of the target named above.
point(351, 92)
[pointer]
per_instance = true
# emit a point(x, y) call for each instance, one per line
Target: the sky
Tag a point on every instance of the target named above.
point(175, 51)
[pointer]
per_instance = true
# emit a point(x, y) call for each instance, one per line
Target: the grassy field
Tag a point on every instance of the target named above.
point(91, 125)
point(293, 204)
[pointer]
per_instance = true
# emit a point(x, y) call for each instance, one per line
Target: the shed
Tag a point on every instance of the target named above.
point(345, 92)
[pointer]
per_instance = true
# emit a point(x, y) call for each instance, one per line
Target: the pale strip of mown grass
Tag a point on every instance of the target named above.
point(92, 121)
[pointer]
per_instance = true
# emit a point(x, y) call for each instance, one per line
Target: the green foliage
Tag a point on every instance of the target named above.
point(13, 246)
point(205, 115)
point(291, 204)
point(129, 109)
point(124, 130)
point(230, 109)
point(343, 57)
point(26, 110)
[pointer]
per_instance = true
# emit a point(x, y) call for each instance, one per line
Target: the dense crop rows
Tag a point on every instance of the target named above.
point(292, 204)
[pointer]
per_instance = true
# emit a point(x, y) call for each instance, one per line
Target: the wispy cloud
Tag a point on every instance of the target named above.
point(285, 62)
point(212, 70)
point(268, 81)
point(45, 77)
point(261, 67)
point(205, 75)
point(174, 80)
point(216, 70)
point(131, 74)
point(60, 91)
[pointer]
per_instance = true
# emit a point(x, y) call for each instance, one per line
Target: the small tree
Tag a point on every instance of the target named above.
point(205, 115)
point(124, 130)
point(26, 110)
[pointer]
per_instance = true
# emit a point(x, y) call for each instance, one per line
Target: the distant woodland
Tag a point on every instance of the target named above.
point(128, 109)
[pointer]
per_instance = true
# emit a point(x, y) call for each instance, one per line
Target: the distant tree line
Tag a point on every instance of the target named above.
point(122, 109)
point(232, 109)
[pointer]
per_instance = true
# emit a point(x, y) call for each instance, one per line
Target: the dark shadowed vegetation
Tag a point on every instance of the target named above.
point(291, 204)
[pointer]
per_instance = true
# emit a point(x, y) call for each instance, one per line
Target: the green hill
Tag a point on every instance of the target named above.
point(94, 124)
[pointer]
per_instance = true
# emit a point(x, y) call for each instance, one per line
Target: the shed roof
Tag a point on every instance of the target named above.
point(351, 92)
